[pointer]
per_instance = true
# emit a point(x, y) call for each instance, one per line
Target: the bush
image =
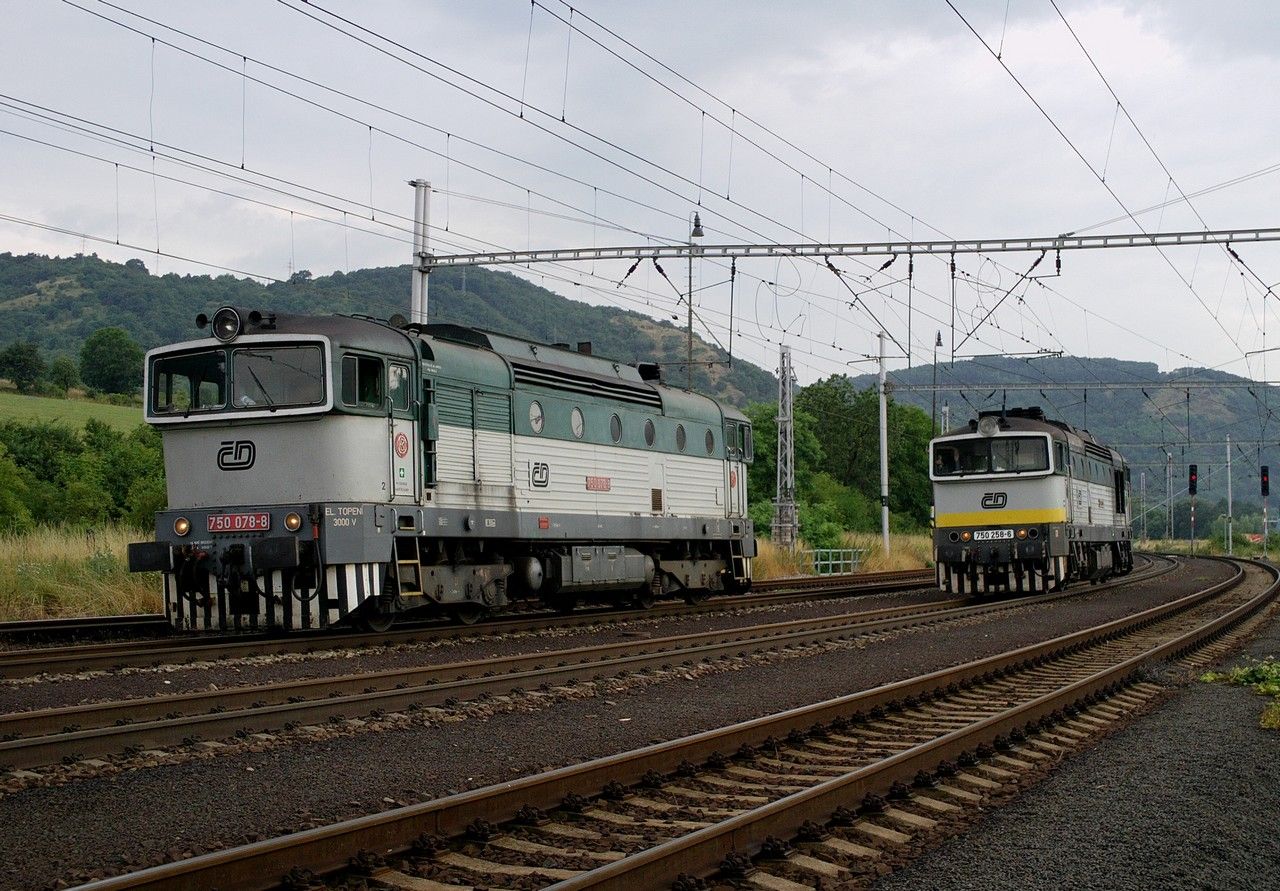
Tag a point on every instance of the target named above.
point(52, 474)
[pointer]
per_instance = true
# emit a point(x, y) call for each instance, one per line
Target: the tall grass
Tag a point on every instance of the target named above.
point(1242, 547)
point(905, 552)
point(773, 562)
point(54, 572)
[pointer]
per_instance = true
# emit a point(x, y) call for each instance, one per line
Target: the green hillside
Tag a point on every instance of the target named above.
point(59, 302)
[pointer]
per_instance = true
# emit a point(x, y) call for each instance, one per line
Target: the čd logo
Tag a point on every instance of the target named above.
point(994, 500)
point(237, 454)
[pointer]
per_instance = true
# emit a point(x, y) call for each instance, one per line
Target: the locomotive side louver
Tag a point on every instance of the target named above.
point(559, 379)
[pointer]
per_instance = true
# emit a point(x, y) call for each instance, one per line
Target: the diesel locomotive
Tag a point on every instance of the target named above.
point(1026, 503)
point(326, 470)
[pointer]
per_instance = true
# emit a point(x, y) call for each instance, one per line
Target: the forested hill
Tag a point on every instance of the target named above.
point(1149, 412)
point(58, 302)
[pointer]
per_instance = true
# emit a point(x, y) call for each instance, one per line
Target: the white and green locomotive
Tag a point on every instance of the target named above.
point(1024, 503)
point(328, 470)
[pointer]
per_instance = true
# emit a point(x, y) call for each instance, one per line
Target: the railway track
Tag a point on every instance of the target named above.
point(167, 650)
point(787, 801)
point(85, 627)
point(49, 736)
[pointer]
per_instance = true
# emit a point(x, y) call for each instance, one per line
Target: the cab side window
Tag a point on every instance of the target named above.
point(398, 386)
point(362, 381)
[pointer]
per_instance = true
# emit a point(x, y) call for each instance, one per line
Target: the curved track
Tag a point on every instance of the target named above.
point(47, 736)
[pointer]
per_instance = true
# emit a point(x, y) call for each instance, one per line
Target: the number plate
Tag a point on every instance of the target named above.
point(254, 522)
point(992, 534)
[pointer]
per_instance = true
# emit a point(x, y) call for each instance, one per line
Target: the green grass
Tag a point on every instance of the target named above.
point(72, 412)
point(1263, 677)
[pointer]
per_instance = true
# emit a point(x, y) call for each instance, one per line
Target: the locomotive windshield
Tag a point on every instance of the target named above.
point(277, 376)
point(258, 378)
point(1003, 454)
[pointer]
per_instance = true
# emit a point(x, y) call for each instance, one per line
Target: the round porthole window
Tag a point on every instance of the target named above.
point(577, 423)
point(615, 428)
point(650, 432)
point(681, 439)
point(711, 442)
point(536, 418)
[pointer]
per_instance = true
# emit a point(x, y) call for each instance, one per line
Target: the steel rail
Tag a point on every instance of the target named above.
point(74, 626)
point(88, 657)
point(328, 848)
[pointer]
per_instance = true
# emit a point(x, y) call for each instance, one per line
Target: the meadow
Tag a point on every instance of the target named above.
point(71, 412)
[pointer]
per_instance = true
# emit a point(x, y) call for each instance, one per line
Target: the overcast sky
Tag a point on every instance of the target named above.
point(888, 120)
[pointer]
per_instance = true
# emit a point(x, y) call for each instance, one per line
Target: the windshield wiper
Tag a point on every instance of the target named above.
point(261, 389)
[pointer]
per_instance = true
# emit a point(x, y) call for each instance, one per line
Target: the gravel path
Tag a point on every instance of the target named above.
point(1184, 798)
point(208, 802)
point(24, 694)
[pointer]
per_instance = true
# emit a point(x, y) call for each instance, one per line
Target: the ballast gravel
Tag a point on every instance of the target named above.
point(110, 821)
point(1186, 797)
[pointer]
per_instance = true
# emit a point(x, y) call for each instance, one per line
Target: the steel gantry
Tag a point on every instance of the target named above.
point(1067, 242)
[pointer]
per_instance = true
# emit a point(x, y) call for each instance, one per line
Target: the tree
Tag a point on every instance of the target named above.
point(14, 515)
point(63, 373)
point(22, 363)
point(110, 361)
point(808, 454)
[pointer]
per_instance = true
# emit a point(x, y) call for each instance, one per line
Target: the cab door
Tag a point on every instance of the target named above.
point(735, 475)
point(403, 429)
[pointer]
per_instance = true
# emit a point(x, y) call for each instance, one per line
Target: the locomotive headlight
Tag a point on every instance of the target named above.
point(1022, 533)
point(965, 536)
point(181, 526)
point(293, 522)
point(226, 324)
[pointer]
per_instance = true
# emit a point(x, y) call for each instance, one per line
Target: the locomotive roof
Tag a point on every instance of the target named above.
point(567, 362)
point(1034, 420)
point(490, 358)
point(350, 331)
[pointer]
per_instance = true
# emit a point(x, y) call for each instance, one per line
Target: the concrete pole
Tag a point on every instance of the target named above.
point(884, 451)
point(1230, 543)
point(1142, 486)
point(421, 220)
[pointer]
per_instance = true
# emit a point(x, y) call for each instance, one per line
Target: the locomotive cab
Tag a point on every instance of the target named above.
point(260, 425)
point(1023, 503)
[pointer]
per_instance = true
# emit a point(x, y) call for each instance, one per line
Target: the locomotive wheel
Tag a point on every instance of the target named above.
point(694, 596)
point(468, 613)
point(644, 600)
point(375, 621)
